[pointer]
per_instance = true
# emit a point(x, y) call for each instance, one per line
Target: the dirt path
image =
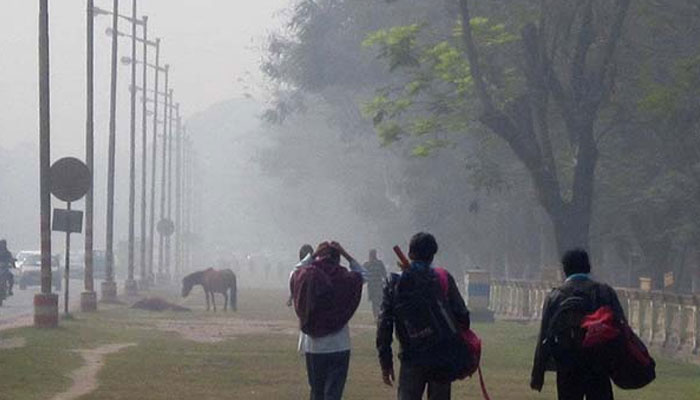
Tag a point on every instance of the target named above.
point(85, 378)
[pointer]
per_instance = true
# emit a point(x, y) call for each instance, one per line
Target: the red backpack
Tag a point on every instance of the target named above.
point(472, 341)
point(631, 365)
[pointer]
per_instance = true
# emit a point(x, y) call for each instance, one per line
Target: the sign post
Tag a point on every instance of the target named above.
point(70, 181)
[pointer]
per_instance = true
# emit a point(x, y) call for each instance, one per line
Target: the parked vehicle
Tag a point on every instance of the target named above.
point(29, 266)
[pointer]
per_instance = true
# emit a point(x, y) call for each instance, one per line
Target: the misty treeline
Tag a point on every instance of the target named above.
point(513, 130)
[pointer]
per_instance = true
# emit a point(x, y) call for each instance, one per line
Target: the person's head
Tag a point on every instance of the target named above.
point(422, 247)
point(576, 262)
point(305, 250)
point(328, 252)
point(373, 255)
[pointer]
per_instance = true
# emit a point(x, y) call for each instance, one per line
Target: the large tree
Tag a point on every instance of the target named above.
point(542, 92)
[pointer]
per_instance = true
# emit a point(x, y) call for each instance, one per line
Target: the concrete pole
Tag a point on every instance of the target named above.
point(154, 161)
point(161, 239)
point(178, 197)
point(144, 157)
point(109, 287)
point(88, 299)
point(46, 303)
point(168, 239)
point(130, 286)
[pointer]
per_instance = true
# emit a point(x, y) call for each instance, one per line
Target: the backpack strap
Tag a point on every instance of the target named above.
point(443, 279)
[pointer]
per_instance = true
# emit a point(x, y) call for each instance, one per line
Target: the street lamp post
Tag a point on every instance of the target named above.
point(88, 299)
point(178, 197)
point(166, 133)
point(109, 287)
point(130, 286)
point(173, 137)
point(154, 161)
point(45, 303)
point(144, 154)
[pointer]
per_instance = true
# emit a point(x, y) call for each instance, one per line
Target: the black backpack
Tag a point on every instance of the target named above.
point(419, 305)
point(564, 333)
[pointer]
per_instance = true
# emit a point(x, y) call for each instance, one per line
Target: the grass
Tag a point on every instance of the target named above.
point(258, 366)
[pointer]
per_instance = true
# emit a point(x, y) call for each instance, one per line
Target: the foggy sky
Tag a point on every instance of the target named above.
point(210, 44)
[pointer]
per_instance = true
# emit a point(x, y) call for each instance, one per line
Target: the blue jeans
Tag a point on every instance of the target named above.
point(327, 374)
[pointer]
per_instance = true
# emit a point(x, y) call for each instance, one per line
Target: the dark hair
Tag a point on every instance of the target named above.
point(305, 250)
point(423, 247)
point(576, 262)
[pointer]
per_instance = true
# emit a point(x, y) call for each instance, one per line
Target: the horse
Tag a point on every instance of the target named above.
point(213, 281)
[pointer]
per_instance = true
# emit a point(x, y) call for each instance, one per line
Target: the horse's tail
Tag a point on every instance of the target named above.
point(233, 298)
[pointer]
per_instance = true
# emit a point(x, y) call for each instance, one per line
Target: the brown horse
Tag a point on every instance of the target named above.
point(213, 281)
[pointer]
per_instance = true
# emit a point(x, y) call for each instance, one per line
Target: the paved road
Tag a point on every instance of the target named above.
point(19, 308)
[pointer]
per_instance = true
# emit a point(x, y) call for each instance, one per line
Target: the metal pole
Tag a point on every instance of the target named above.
point(144, 154)
point(178, 193)
point(88, 300)
point(109, 289)
point(161, 240)
point(45, 147)
point(46, 303)
point(168, 248)
point(67, 273)
point(130, 285)
point(154, 161)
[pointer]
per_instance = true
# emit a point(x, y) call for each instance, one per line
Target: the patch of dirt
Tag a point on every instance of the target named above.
point(212, 331)
point(85, 377)
point(217, 330)
point(157, 304)
point(16, 322)
point(12, 343)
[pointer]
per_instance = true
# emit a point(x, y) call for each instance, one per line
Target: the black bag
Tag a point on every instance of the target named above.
point(430, 327)
point(420, 308)
point(564, 333)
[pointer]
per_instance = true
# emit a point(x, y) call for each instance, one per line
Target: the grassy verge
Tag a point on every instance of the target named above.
point(257, 365)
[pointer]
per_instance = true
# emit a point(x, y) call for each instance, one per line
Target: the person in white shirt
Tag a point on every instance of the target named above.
point(326, 296)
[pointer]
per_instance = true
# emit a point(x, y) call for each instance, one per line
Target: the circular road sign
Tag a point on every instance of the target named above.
point(166, 227)
point(70, 179)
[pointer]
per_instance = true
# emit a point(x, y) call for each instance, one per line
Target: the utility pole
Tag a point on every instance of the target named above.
point(109, 287)
point(46, 303)
point(178, 197)
point(166, 133)
point(144, 156)
point(154, 161)
point(88, 299)
point(168, 242)
point(130, 286)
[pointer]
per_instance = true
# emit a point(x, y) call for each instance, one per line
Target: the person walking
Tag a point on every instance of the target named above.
point(376, 275)
point(7, 262)
point(325, 296)
point(578, 375)
point(403, 295)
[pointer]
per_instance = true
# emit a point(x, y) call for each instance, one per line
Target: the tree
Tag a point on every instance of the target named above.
point(542, 94)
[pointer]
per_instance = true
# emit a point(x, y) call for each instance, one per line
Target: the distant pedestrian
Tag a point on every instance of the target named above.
point(578, 373)
point(326, 295)
point(376, 275)
point(426, 336)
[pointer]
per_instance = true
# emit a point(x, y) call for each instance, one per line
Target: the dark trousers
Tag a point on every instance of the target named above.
point(575, 384)
point(413, 381)
point(327, 374)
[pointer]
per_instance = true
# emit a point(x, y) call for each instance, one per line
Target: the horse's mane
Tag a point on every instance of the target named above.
point(194, 277)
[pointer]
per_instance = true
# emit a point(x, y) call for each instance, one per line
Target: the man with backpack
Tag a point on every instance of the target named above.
point(581, 371)
point(325, 296)
point(424, 306)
